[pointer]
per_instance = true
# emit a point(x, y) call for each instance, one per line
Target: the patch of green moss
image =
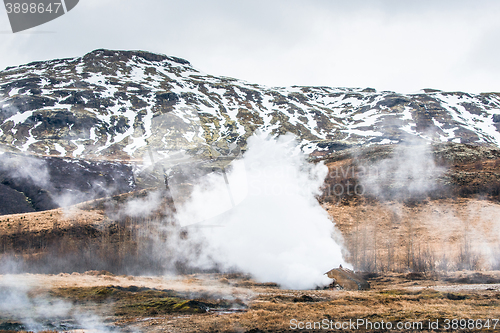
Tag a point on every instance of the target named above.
point(165, 305)
point(105, 291)
point(429, 293)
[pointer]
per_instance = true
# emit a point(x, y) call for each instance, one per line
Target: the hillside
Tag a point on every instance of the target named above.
point(449, 225)
point(114, 104)
point(114, 127)
point(64, 120)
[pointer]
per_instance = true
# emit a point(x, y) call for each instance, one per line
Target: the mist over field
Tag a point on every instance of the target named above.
point(278, 232)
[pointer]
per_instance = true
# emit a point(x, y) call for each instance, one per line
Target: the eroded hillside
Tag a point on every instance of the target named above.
point(119, 104)
point(437, 211)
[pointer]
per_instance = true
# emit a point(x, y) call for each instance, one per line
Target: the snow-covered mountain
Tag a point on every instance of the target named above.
point(114, 104)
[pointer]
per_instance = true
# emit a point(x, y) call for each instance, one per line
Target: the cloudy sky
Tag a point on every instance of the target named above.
point(398, 45)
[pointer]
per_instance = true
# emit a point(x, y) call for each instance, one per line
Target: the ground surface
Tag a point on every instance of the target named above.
point(453, 229)
point(234, 303)
point(447, 234)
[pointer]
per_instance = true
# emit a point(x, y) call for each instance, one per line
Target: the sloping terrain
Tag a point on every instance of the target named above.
point(64, 120)
point(118, 104)
point(448, 223)
point(412, 172)
point(36, 183)
point(73, 130)
point(234, 303)
point(416, 208)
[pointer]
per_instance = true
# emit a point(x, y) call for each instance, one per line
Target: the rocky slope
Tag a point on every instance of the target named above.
point(31, 183)
point(114, 104)
point(77, 129)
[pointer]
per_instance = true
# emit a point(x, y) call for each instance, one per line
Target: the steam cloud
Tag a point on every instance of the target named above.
point(278, 232)
point(42, 312)
point(26, 167)
point(410, 172)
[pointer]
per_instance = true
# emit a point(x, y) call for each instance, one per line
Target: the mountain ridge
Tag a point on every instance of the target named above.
point(118, 104)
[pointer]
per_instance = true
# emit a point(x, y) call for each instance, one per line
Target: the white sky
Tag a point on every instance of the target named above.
point(398, 45)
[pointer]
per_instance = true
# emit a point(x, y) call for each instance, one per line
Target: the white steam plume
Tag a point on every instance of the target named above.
point(26, 167)
point(279, 232)
point(138, 207)
point(410, 172)
point(41, 312)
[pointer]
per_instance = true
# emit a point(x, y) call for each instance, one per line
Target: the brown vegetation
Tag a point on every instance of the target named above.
point(142, 304)
point(434, 236)
point(92, 235)
point(452, 228)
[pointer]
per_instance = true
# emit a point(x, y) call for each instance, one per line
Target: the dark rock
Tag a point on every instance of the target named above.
point(13, 202)
point(87, 99)
point(430, 90)
point(39, 198)
point(167, 99)
point(304, 298)
point(58, 122)
point(179, 60)
point(334, 145)
point(25, 84)
point(392, 101)
point(117, 55)
point(94, 179)
point(455, 297)
point(28, 103)
point(74, 180)
point(12, 326)
point(120, 124)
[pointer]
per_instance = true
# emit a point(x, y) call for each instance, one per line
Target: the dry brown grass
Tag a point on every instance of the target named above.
point(395, 297)
point(436, 235)
point(446, 234)
point(273, 310)
point(48, 220)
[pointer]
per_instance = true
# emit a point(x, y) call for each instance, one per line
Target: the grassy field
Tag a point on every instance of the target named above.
point(433, 259)
point(235, 303)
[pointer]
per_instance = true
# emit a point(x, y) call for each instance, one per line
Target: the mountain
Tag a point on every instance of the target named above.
point(74, 130)
point(77, 129)
point(117, 104)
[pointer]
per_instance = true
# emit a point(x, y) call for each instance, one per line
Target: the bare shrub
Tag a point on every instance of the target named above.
point(423, 260)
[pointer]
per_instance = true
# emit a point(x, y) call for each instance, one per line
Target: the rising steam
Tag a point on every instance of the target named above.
point(41, 312)
point(278, 232)
point(409, 173)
